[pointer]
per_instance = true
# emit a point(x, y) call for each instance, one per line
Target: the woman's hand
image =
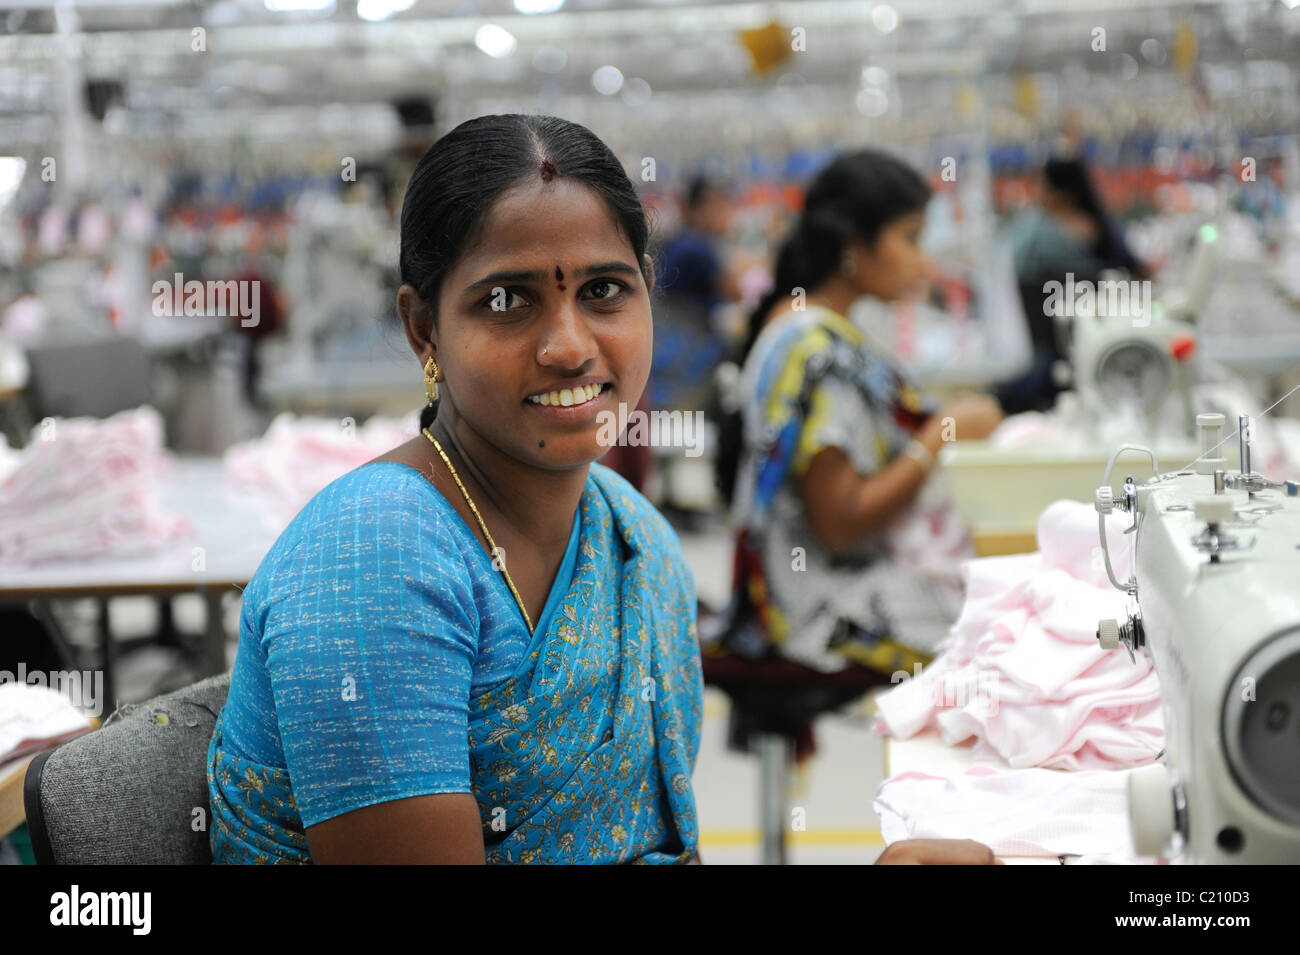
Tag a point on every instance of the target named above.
point(842, 507)
point(938, 852)
point(964, 418)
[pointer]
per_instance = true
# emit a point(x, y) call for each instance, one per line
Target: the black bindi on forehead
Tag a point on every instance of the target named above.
point(559, 277)
point(541, 444)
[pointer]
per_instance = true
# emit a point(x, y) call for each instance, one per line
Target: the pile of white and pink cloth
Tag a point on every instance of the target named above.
point(1022, 813)
point(298, 456)
point(87, 488)
point(1022, 673)
point(35, 717)
point(1022, 680)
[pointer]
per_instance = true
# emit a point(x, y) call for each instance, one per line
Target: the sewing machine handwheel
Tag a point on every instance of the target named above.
point(1151, 809)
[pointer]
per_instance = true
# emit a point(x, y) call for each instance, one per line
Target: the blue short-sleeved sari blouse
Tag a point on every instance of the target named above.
point(382, 656)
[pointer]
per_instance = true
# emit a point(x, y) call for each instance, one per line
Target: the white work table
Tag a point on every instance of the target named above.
point(228, 528)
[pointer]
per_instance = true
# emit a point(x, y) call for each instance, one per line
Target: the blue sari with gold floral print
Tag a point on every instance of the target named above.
point(581, 738)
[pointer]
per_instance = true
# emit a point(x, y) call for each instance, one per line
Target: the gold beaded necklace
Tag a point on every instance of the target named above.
point(491, 543)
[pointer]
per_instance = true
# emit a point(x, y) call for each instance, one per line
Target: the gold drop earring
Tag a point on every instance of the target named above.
point(431, 380)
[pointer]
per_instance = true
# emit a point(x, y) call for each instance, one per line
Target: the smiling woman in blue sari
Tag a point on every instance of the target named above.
point(481, 646)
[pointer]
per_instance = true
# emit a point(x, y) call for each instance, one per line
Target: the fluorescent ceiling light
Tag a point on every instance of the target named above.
point(607, 80)
point(538, 6)
point(884, 17)
point(285, 6)
point(494, 41)
point(11, 176)
point(375, 10)
point(875, 76)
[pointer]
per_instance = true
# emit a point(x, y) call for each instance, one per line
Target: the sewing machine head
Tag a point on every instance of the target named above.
point(1125, 343)
point(1126, 356)
point(1216, 587)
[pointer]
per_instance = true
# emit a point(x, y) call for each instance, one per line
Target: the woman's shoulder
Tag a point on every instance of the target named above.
point(786, 346)
point(377, 492)
point(787, 324)
point(812, 328)
point(377, 506)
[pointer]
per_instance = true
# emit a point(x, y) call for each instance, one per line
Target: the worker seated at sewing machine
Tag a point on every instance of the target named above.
point(1068, 236)
point(836, 443)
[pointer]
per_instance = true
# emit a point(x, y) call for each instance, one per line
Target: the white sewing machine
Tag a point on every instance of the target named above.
point(1216, 586)
point(1127, 348)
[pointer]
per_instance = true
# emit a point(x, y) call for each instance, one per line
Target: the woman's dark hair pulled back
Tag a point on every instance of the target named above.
point(856, 196)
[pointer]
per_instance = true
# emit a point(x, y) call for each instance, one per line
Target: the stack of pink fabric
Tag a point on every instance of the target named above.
point(282, 470)
point(87, 488)
point(1021, 672)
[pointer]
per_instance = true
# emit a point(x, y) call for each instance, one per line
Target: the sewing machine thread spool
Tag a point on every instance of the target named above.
point(1211, 458)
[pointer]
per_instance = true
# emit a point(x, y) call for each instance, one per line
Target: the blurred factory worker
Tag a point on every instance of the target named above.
point(693, 282)
point(1264, 199)
point(270, 320)
point(1068, 233)
point(481, 646)
point(694, 289)
point(837, 442)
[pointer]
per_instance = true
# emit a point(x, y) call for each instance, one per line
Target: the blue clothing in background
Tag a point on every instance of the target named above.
point(686, 347)
point(382, 656)
point(689, 266)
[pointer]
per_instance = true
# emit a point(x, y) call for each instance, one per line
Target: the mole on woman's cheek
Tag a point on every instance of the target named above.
point(541, 444)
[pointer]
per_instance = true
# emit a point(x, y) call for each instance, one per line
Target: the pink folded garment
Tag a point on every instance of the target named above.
point(1016, 813)
point(88, 488)
point(1021, 670)
point(282, 470)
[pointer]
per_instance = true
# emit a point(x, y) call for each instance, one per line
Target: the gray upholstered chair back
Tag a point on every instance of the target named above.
point(132, 792)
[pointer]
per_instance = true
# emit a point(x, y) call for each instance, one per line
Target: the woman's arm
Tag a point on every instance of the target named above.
point(442, 829)
point(842, 507)
point(371, 632)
